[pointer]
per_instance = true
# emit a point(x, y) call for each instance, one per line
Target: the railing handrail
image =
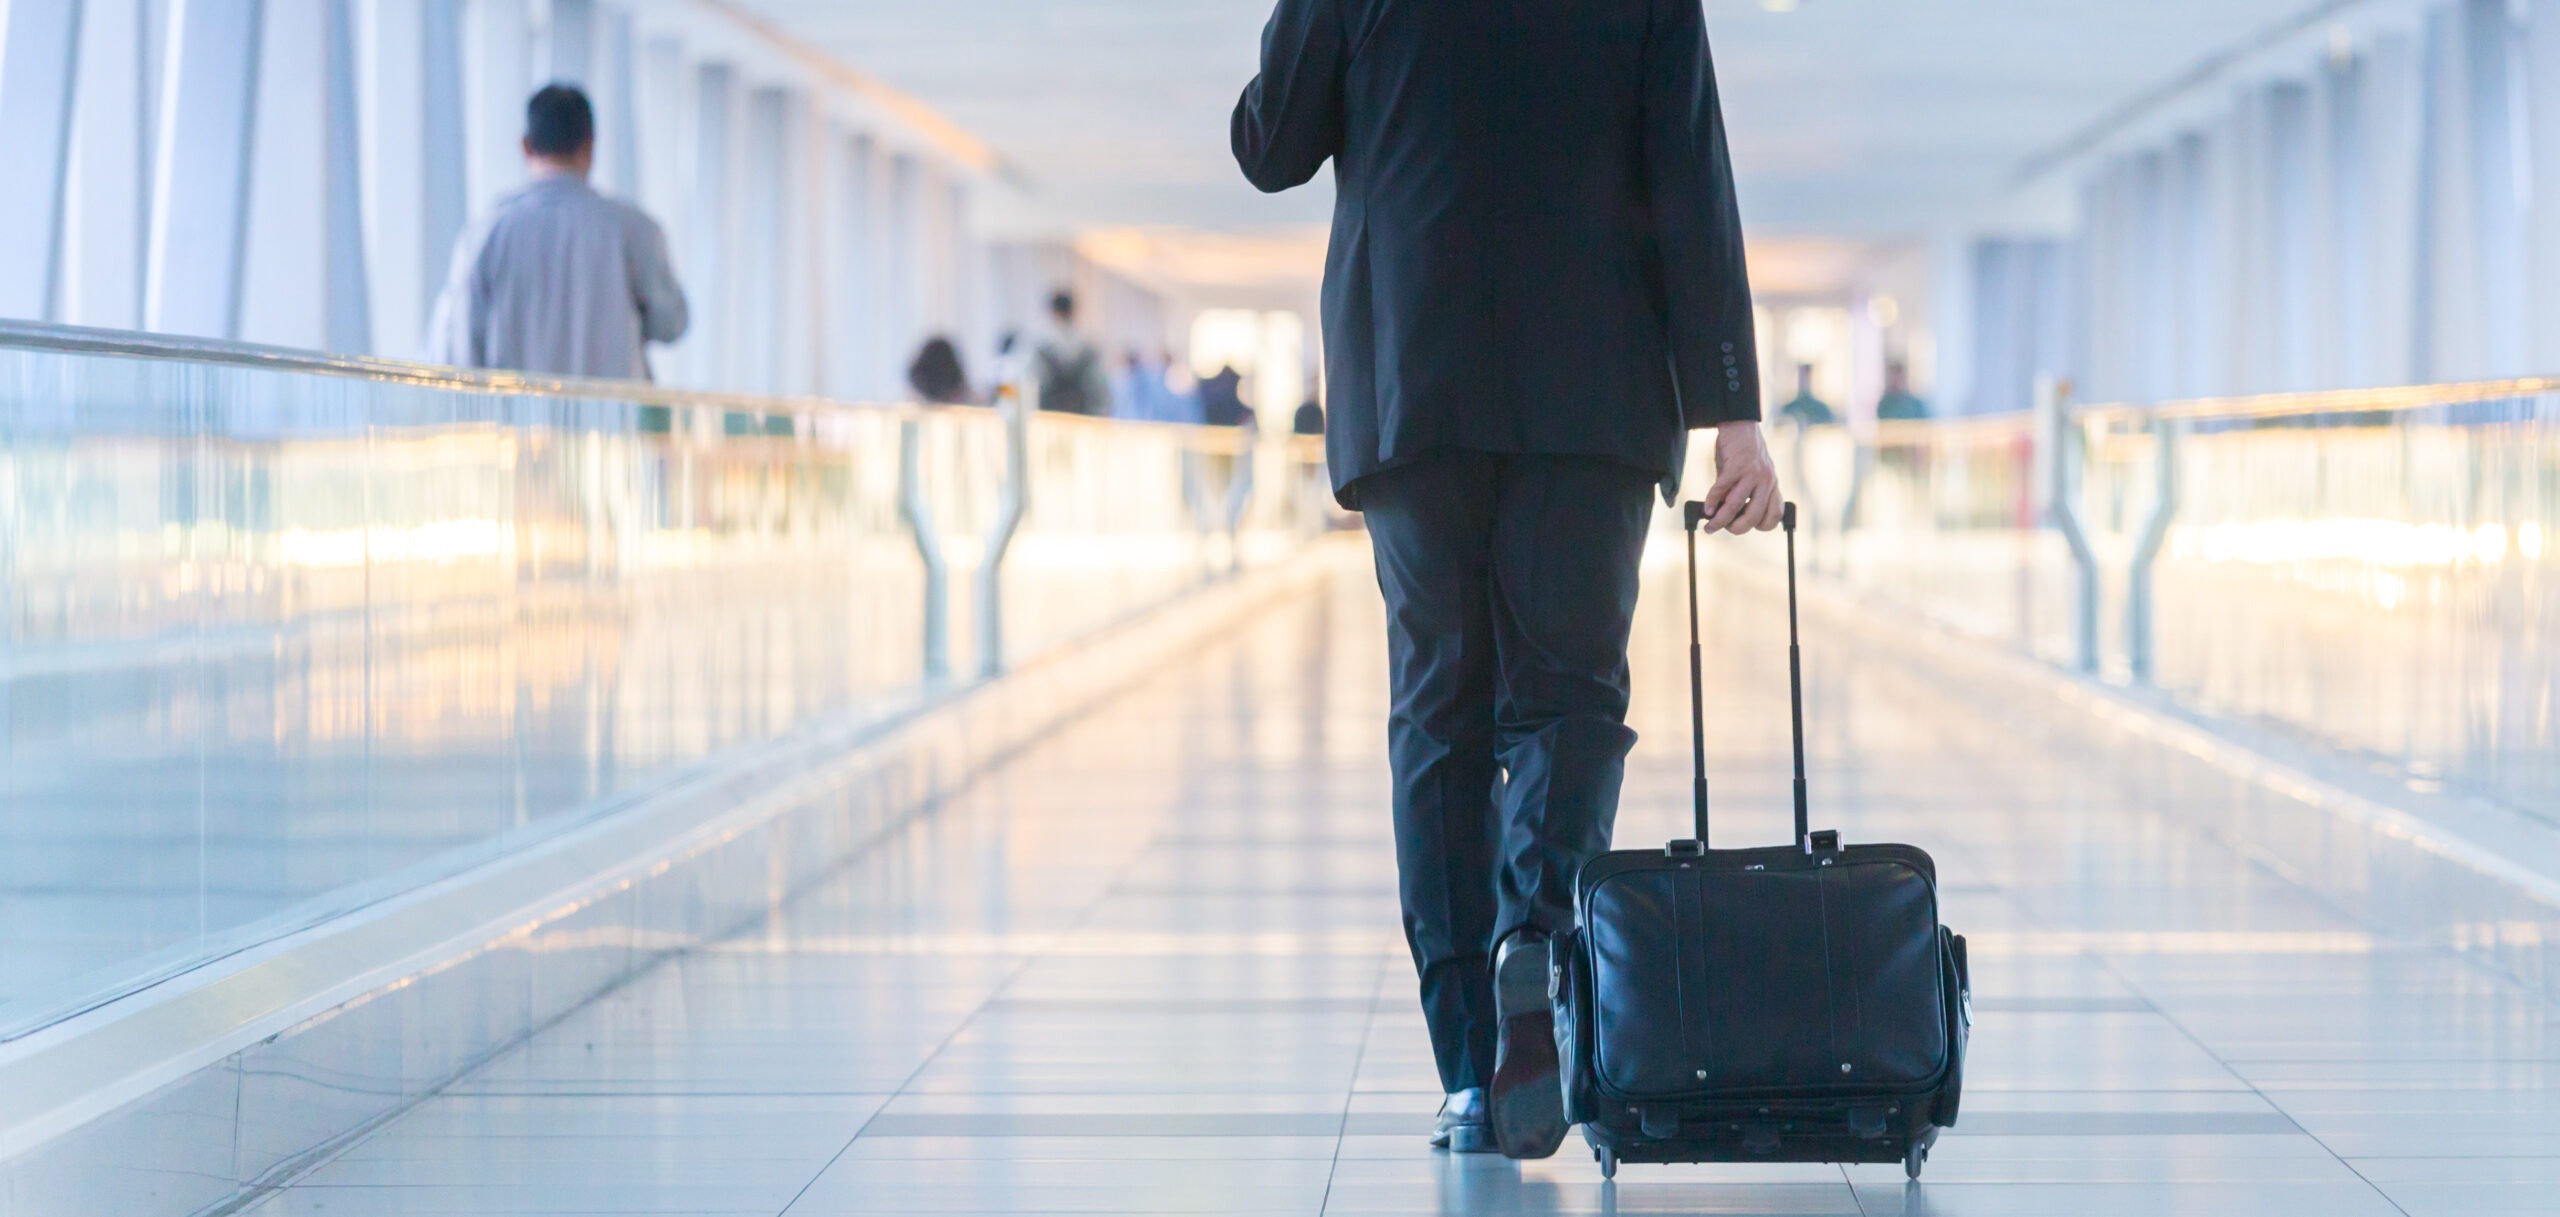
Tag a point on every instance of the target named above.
point(178, 348)
point(2387, 400)
point(2134, 416)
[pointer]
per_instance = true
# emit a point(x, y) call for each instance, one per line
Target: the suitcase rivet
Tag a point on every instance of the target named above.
point(1702, 1075)
point(1844, 1066)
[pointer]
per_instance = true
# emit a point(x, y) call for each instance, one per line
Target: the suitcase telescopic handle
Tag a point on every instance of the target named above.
point(1694, 514)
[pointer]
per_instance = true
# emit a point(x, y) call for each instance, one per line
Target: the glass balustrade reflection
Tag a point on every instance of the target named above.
point(276, 642)
point(2369, 575)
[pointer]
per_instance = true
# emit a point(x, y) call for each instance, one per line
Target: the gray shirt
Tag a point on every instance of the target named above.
point(558, 279)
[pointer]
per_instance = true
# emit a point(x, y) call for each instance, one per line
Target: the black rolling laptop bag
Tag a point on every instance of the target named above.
point(1793, 1004)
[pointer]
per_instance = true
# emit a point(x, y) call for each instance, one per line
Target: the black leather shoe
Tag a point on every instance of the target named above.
point(1463, 1128)
point(1527, 1095)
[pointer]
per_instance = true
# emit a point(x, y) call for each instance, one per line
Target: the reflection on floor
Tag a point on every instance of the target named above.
point(1153, 967)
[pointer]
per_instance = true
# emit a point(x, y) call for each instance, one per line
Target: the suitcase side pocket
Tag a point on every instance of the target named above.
point(1568, 989)
point(1959, 993)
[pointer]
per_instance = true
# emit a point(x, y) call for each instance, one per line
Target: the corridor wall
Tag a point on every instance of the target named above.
point(2375, 201)
point(295, 172)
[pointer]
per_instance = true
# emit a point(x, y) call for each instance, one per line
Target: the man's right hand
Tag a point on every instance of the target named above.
point(1745, 497)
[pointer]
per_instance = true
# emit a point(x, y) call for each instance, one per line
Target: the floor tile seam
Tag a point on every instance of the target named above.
point(1013, 975)
point(2180, 1024)
point(2203, 834)
point(1351, 1092)
point(906, 1083)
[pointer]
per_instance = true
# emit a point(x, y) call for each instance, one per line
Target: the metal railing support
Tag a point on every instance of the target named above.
point(2060, 450)
point(1240, 497)
point(918, 515)
point(2139, 597)
point(1012, 503)
point(1862, 463)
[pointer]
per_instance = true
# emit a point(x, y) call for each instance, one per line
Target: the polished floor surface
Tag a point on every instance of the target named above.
point(1153, 967)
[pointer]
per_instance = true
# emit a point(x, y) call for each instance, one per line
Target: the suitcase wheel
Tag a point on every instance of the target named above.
point(1913, 1156)
point(1608, 1161)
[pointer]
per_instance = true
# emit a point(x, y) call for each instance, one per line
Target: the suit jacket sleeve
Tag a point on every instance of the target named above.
point(1290, 118)
point(1697, 226)
point(664, 316)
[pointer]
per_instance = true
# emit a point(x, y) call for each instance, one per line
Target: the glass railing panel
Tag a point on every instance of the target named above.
point(282, 635)
point(2381, 583)
point(2371, 573)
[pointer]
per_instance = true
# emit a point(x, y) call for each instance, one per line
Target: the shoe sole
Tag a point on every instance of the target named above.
point(1469, 1139)
point(1526, 1096)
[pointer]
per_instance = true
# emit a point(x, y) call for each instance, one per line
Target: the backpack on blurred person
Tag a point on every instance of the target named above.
point(1064, 377)
point(1068, 365)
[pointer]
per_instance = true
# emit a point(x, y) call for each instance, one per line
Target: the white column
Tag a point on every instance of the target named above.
point(661, 86)
point(346, 280)
point(708, 217)
point(2252, 265)
point(303, 279)
point(1997, 329)
point(617, 110)
point(2289, 235)
point(903, 322)
point(2395, 122)
point(2542, 75)
point(2446, 327)
point(2224, 364)
point(2343, 273)
point(282, 297)
point(39, 55)
point(2153, 315)
point(853, 274)
point(498, 76)
point(2100, 206)
point(201, 193)
point(973, 329)
point(573, 25)
point(801, 283)
point(103, 233)
point(390, 97)
point(880, 239)
point(1952, 293)
point(2195, 307)
point(763, 243)
point(2491, 45)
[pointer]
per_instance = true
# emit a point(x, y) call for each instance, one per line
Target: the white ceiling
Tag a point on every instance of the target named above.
point(1856, 119)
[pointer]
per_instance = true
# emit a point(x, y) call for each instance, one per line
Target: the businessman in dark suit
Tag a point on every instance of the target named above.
point(1535, 291)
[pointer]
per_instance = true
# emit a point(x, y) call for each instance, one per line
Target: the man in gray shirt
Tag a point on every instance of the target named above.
point(559, 279)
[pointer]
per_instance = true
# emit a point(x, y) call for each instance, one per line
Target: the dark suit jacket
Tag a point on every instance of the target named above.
point(1535, 244)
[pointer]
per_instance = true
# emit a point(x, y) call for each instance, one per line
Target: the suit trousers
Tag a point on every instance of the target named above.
point(1510, 584)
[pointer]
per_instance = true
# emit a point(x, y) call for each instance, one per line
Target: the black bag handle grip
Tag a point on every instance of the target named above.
point(1693, 514)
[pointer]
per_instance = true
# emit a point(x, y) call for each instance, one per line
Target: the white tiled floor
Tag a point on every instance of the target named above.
point(1153, 967)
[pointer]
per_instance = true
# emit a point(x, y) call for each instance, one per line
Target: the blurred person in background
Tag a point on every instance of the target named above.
point(1899, 402)
point(1181, 392)
point(558, 279)
point(1222, 399)
point(1310, 419)
point(1140, 390)
point(1066, 368)
point(1805, 409)
point(1132, 398)
point(937, 375)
